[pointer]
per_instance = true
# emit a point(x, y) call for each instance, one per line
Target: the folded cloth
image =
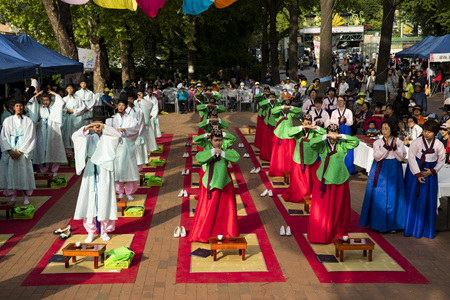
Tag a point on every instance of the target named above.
point(24, 210)
point(159, 160)
point(120, 254)
point(135, 208)
point(152, 178)
point(60, 180)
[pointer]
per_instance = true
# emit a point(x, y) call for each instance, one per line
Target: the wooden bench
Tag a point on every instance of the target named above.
point(354, 244)
point(95, 250)
point(7, 206)
point(230, 243)
point(122, 203)
point(307, 203)
point(44, 176)
point(287, 177)
point(251, 128)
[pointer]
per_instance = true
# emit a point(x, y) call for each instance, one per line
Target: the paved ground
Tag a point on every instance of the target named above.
point(156, 275)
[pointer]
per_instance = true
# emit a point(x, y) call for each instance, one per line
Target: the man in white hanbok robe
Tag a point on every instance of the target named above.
point(72, 118)
point(50, 152)
point(17, 143)
point(141, 145)
point(125, 165)
point(88, 99)
point(154, 112)
point(97, 197)
point(146, 106)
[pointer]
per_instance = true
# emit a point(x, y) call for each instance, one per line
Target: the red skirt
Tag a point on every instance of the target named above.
point(281, 157)
point(330, 216)
point(259, 130)
point(266, 143)
point(215, 216)
point(301, 183)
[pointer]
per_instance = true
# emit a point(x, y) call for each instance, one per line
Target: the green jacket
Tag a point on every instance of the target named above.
point(205, 143)
point(220, 177)
point(203, 110)
point(260, 97)
point(309, 155)
point(336, 172)
point(203, 100)
point(269, 119)
point(282, 130)
point(207, 126)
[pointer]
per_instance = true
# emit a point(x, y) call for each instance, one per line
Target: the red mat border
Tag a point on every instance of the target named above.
point(299, 226)
point(247, 224)
point(35, 278)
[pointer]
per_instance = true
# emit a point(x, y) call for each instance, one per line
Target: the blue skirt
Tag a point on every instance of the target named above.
point(384, 206)
point(344, 129)
point(421, 210)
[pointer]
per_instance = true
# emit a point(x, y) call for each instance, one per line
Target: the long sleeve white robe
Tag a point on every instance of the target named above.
point(72, 122)
point(154, 112)
point(146, 107)
point(17, 135)
point(97, 196)
point(48, 120)
point(88, 99)
point(141, 145)
point(125, 164)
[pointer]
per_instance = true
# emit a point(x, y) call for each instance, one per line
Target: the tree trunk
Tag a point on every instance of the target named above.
point(101, 73)
point(131, 60)
point(384, 51)
point(273, 40)
point(264, 45)
point(192, 51)
point(59, 15)
point(293, 42)
point(125, 60)
point(326, 7)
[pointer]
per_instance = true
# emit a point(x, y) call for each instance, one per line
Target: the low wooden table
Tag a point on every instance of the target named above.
point(307, 203)
point(44, 176)
point(251, 129)
point(122, 203)
point(229, 243)
point(7, 206)
point(354, 244)
point(85, 250)
point(287, 177)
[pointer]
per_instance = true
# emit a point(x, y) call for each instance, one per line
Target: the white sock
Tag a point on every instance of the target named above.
point(55, 174)
point(120, 195)
point(130, 197)
point(105, 237)
point(90, 238)
point(25, 200)
point(13, 198)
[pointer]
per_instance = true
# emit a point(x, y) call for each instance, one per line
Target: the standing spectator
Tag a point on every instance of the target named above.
point(420, 79)
point(268, 77)
point(343, 87)
point(392, 82)
point(107, 101)
point(419, 96)
point(353, 83)
point(447, 90)
point(192, 93)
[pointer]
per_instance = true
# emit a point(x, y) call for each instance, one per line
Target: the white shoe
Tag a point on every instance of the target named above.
point(252, 171)
point(90, 238)
point(257, 170)
point(185, 194)
point(184, 154)
point(183, 173)
point(105, 237)
point(177, 232)
point(25, 200)
point(270, 193)
point(55, 174)
point(246, 155)
point(120, 195)
point(180, 194)
point(130, 197)
point(241, 145)
point(282, 231)
point(288, 231)
point(13, 199)
point(187, 172)
point(265, 193)
point(183, 232)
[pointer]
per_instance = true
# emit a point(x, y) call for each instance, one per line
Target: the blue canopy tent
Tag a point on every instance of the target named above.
point(14, 69)
point(430, 44)
point(23, 47)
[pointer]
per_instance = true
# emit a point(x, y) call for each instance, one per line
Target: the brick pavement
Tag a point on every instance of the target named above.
point(157, 270)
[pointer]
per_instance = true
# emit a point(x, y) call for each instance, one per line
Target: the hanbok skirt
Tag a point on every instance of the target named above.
point(329, 216)
point(384, 206)
point(216, 215)
point(281, 157)
point(344, 129)
point(266, 143)
point(421, 210)
point(259, 131)
point(301, 183)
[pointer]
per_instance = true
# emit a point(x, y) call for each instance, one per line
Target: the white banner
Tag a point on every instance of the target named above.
point(316, 42)
point(334, 42)
point(439, 57)
point(89, 58)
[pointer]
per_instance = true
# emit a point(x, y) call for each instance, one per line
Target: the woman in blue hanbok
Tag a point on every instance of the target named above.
point(384, 206)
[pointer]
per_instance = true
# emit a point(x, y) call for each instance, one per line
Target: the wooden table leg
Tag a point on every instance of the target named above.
point(123, 211)
point(95, 262)
point(370, 255)
point(49, 181)
point(342, 255)
point(67, 261)
point(365, 253)
point(243, 254)
point(74, 259)
point(7, 214)
point(336, 252)
point(103, 258)
point(214, 255)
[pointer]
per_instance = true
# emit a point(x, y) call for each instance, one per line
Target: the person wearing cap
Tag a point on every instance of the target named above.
point(88, 99)
point(304, 161)
point(72, 118)
point(17, 144)
point(285, 95)
point(256, 90)
point(107, 101)
point(443, 137)
point(48, 116)
point(95, 154)
point(384, 206)
point(419, 97)
point(445, 116)
point(420, 79)
point(216, 209)
point(417, 112)
point(426, 157)
point(288, 84)
point(215, 87)
point(283, 145)
point(125, 164)
point(183, 98)
point(330, 206)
